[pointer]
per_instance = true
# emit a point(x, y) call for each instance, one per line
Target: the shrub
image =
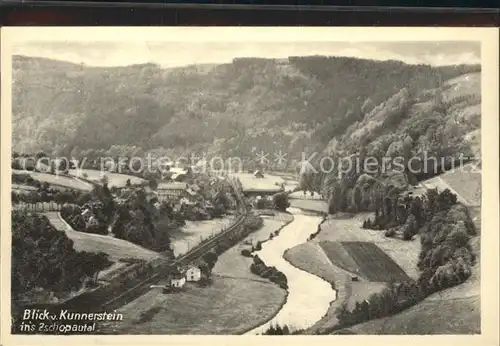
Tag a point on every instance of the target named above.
point(283, 285)
point(390, 233)
point(280, 201)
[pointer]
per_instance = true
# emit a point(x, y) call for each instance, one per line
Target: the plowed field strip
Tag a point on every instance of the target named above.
point(374, 263)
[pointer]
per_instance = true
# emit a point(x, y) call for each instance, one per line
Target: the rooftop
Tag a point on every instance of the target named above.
point(171, 186)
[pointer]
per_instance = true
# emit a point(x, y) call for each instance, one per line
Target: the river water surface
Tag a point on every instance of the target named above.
point(308, 295)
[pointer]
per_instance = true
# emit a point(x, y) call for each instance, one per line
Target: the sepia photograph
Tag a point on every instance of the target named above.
point(253, 184)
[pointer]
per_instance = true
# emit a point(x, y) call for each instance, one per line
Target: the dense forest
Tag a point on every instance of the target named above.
point(399, 142)
point(300, 104)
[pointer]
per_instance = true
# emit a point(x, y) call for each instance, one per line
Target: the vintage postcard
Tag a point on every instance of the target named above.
point(183, 185)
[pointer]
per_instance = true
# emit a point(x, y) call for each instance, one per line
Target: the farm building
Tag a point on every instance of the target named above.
point(171, 191)
point(174, 192)
point(178, 281)
point(177, 278)
point(193, 273)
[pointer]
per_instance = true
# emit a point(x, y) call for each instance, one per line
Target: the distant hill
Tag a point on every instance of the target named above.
point(294, 105)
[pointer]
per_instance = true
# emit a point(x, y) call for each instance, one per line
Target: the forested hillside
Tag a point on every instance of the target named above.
point(300, 104)
point(407, 139)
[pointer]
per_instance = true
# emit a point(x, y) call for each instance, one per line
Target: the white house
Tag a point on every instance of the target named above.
point(178, 282)
point(193, 273)
point(177, 278)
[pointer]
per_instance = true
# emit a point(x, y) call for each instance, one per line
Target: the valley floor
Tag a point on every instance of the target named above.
point(235, 302)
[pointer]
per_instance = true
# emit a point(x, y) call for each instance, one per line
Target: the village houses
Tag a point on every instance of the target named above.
point(178, 276)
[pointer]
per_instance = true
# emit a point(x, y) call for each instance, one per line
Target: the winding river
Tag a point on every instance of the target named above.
point(308, 296)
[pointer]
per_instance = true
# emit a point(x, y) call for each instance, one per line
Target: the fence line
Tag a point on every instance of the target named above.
point(38, 207)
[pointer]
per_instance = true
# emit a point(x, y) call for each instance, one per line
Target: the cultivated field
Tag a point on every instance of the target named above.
point(464, 181)
point(339, 256)
point(114, 179)
point(466, 184)
point(348, 229)
point(307, 196)
point(452, 311)
point(112, 271)
point(373, 263)
point(448, 316)
point(251, 183)
point(359, 291)
point(309, 204)
point(195, 231)
point(58, 180)
point(19, 188)
point(312, 258)
point(114, 247)
point(290, 179)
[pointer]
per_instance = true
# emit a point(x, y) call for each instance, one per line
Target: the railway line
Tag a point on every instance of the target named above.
point(160, 264)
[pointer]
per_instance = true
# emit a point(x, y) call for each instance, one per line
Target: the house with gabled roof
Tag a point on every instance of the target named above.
point(193, 273)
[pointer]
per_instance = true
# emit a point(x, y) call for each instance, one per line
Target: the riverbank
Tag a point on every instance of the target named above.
point(312, 205)
point(326, 257)
point(303, 306)
point(233, 264)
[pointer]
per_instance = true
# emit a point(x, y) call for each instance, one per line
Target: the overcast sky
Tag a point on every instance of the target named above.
point(170, 54)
